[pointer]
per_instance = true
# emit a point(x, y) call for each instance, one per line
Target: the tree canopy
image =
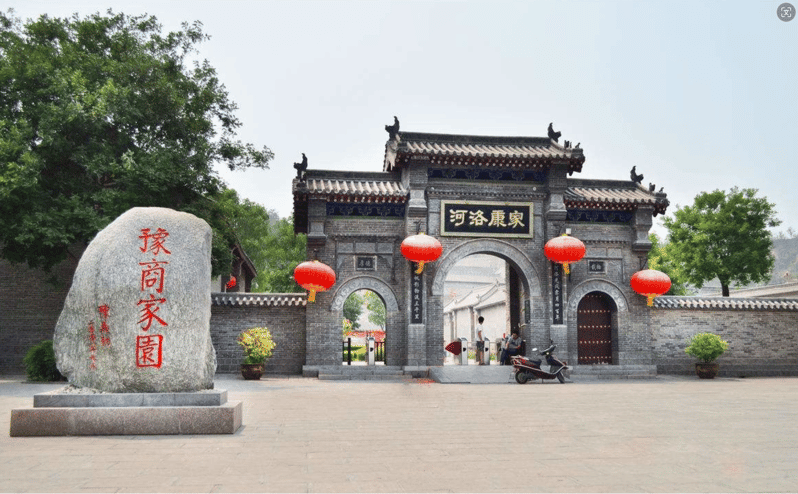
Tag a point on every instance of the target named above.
point(353, 307)
point(376, 309)
point(101, 114)
point(661, 259)
point(723, 235)
point(282, 251)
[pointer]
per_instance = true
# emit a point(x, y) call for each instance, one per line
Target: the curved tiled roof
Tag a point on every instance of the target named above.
point(379, 190)
point(612, 195)
point(448, 149)
point(728, 303)
point(259, 299)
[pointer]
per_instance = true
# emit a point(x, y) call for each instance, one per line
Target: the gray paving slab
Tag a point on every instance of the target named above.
point(670, 434)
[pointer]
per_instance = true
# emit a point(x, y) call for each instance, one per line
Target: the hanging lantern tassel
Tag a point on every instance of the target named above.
point(563, 250)
point(650, 283)
point(312, 289)
point(314, 276)
point(421, 249)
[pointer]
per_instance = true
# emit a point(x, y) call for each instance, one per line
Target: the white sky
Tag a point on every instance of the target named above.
point(700, 95)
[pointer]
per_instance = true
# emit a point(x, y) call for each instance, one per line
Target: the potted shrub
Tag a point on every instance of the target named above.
point(258, 346)
point(706, 347)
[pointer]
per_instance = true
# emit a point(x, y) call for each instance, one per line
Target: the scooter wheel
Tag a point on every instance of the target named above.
point(561, 378)
point(521, 377)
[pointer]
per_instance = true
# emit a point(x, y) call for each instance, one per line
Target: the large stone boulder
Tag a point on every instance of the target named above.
point(137, 317)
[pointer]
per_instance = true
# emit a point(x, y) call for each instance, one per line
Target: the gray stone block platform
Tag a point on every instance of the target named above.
point(501, 374)
point(56, 413)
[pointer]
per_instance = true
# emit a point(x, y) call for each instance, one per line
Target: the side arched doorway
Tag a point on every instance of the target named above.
point(596, 329)
point(394, 323)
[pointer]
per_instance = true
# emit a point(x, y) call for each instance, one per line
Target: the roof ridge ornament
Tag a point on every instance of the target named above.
point(393, 129)
point(301, 168)
point(554, 136)
point(634, 176)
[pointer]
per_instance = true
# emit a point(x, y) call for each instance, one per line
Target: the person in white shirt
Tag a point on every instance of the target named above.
point(480, 340)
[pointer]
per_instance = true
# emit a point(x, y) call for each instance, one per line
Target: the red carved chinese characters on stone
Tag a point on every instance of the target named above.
point(152, 275)
point(149, 348)
point(149, 351)
point(92, 347)
point(149, 310)
point(154, 241)
point(105, 333)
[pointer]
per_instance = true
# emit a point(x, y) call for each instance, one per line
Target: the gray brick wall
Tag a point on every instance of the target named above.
point(29, 309)
point(285, 322)
point(761, 342)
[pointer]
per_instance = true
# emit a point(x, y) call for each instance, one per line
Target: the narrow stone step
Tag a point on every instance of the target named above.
point(364, 377)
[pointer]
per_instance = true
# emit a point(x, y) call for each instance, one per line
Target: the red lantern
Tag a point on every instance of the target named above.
point(314, 276)
point(650, 283)
point(421, 248)
point(564, 249)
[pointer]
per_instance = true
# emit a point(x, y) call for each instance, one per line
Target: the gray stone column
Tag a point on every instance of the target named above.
point(415, 179)
point(554, 216)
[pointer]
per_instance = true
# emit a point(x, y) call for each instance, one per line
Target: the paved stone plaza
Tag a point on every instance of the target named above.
point(669, 434)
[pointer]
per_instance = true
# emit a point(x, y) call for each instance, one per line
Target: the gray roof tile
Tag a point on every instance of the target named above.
point(258, 299)
point(726, 303)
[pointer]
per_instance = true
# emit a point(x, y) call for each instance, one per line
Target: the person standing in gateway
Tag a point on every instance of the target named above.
point(480, 340)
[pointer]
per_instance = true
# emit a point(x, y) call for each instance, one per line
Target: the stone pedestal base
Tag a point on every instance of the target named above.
point(55, 414)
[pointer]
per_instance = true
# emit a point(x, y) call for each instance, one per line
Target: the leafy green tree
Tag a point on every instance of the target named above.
point(725, 236)
point(353, 307)
point(376, 309)
point(250, 223)
point(283, 251)
point(661, 259)
point(101, 114)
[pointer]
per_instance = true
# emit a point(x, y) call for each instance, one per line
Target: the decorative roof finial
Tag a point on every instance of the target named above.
point(301, 168)
point(554, 136)
point(634, 176)
point(393, 129)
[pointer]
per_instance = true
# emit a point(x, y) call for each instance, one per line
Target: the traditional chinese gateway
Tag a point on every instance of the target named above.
point(504, 196)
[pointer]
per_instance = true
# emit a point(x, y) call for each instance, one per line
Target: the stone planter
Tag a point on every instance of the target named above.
point(706, 370)
point(251, 372)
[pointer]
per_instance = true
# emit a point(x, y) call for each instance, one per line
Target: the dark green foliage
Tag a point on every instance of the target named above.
point(661, 259)
point(281, 252)
point(40, 363)
point(101, 114)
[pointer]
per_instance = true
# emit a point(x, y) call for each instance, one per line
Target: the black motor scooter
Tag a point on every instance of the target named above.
point(526, 369)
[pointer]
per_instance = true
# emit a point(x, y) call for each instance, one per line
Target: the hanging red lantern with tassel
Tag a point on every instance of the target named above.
point(314, 276)
point(650, 283)
point(421, 248)
point(564, 250)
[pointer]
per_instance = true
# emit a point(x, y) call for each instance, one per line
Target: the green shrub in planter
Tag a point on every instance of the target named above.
point(40, 363)
point(706, 347)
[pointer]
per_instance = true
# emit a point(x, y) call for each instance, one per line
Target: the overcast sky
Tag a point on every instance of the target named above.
point(698, 95)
